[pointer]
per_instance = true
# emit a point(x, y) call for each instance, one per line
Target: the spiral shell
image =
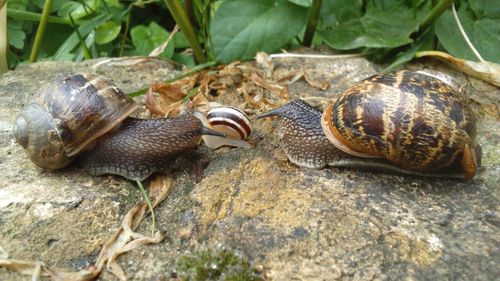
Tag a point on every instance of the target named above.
point(229, 120)
point(71, 113)
point(415, 120)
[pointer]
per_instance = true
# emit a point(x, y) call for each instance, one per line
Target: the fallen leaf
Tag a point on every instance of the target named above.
point(485, 70)
point(123, 240)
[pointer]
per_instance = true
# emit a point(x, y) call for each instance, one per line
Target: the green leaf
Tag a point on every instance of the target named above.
point(180, 40)
point(187, 60)
point(386, 24)
point(336, 11)
point(76, 8)
point(85, 28)
point(425, 42)
point(264, 25)
point(114, 3)
point(484, 33)
point(303, 3)
point(58, 34)
point(16, 35)
point(485, 8)
point(18, 4)
point(147, 38)
point(107, 32)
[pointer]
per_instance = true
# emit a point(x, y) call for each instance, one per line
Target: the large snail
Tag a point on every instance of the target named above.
point(87, 116)
point(407, 122)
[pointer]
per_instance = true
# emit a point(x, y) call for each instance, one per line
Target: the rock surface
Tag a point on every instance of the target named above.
point(295, 223)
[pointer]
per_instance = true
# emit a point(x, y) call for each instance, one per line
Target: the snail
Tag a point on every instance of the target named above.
point(406, 122)
point(229, 120)
point(85, 116)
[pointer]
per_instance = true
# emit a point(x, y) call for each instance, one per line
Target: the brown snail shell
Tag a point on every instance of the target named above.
point(417, 122)
point(71, 113)
point(86, 112)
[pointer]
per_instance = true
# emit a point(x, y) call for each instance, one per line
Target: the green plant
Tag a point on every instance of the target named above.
point(216, 264)
point(388, 31)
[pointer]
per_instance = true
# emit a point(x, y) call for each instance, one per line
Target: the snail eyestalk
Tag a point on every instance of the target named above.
point(205, 131)
point(274, 112)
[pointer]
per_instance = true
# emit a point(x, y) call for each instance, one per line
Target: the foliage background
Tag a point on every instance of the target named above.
point(389, 31)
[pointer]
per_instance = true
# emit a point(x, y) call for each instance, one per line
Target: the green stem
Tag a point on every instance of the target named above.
point(188, 73)
point(150, 206)
point(182, 20)
point(30, 16)
point(311, 22)
point(188, 7)
point(41, 30)
point(4, 66)
point(122, 43)
point(432, 16)
point(86, 52)
point(190, 95)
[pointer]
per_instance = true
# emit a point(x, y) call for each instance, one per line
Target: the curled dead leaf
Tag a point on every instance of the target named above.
point(485, 70)
point(123, 240)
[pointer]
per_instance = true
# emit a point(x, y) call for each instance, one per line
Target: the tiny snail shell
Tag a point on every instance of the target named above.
point(414, 122)
point(229, 120)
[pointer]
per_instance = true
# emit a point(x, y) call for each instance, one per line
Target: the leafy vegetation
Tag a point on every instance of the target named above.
point(389, 31)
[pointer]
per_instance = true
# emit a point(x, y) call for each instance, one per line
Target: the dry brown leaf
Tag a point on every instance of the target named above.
point(322, 85)
point(161, 96)
point(487, 71)
point(264, 62)
point(122, 241)
point(252, 83)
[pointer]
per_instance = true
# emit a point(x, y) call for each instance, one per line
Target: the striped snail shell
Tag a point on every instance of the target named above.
point(229, 120)
point(412, 121)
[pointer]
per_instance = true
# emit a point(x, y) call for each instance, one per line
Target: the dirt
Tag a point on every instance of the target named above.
point(292, 223)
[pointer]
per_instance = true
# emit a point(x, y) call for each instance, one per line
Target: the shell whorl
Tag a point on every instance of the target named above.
point(84, 107)
point(415, 120)
point(229, 120)
point(71, 112)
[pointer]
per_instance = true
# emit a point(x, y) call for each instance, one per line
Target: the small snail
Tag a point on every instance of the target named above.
point(414, 122)
point(86, 115)
point(229, 120)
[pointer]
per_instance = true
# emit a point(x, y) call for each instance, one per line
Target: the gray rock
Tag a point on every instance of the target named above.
point(297, 224)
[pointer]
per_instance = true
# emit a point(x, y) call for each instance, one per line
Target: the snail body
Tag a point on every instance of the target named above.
point(408, 122)
point(143, 146)
point(86, 113)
